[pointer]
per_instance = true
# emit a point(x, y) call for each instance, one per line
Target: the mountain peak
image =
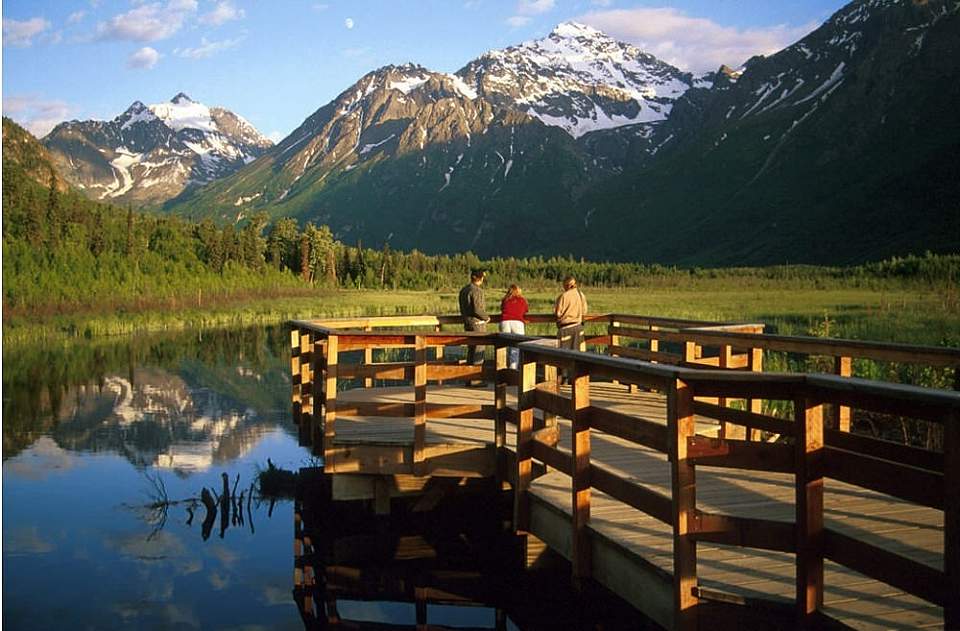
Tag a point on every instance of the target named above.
point(575, 29)
point(181, 98)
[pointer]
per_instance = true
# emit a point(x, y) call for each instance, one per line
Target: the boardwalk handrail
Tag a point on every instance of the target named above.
point(931, 480)
point(809, 450)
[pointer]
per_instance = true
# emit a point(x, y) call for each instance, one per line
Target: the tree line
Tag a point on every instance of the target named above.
point(63, 251)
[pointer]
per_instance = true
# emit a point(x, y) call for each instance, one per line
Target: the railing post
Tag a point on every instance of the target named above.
point(551, 376)
point(500, 398)
point(614, 340)
point(367, 360)
point(951, 515)
point(840, 414)
point(681, 426)
point(580, 401)
point(439, 349)
point(528, 383)
point(419, 406)
point(729, 430)
point(295, 376)
point(306, 387)
point(330, 401)
point(809, 508)
point(755, 405)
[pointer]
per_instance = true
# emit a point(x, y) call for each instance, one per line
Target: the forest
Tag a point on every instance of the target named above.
point(64, 253)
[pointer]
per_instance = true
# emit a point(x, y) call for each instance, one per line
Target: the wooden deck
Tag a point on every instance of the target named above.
point(645, 544)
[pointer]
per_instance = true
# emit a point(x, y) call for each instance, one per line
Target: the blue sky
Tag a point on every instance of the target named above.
point(275, 62)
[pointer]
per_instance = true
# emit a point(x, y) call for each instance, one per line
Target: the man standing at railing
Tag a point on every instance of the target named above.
point(570, 309)
point(474, 313)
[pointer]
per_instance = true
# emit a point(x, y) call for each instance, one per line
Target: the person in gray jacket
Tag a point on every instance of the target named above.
point(473, 312)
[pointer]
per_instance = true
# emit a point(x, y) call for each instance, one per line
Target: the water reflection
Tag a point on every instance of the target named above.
point(458, 565)
point(184, 403)
point(87, 426)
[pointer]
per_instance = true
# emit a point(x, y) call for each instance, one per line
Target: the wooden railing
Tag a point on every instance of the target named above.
point(810, 454)
point(694, 383)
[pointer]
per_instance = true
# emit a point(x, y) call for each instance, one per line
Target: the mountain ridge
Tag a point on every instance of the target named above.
point(150, 153)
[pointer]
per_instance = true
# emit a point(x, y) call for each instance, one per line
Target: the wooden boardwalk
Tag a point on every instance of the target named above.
point(742, 573)
point(683, 492)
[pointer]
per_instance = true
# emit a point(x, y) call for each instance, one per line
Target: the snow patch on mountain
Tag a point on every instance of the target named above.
point(581, 80)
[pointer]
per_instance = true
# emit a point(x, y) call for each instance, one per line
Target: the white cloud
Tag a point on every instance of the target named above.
point(601, 3)
point(692, 43)
point(535, 7)
point(21, 33)
point(145, 58)
point(207, 48)
point(36, 114)
point(526, 8)
point(76, 16)
point(223, 12)
point(348, 23)
point(276, 136)
point(148, 22)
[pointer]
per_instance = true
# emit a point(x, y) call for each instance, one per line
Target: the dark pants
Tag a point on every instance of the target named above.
point(474, 353)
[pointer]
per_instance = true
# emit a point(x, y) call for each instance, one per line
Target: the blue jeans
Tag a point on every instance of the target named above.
point(513, 353)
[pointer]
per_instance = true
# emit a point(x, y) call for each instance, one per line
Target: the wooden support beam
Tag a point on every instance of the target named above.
point(640, 497)
point(681, 425)
point(740, 454)
point(330, 401)
point(729, 430)
point(911, 576)
point(809, 509)
point(419, 405)
point(306, 386)
point(840, 414)
point(551, 375)
point(525, 403)
point(921, 486)
point(763, 534)
point(951, 515)
point(754, 406)
point(632, 428)
point(367, 360)
point(295, 374)
point(756, 422)
point(500, 398)
point(580, 401)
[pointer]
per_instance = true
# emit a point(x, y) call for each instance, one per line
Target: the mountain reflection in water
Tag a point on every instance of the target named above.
point(185, 403)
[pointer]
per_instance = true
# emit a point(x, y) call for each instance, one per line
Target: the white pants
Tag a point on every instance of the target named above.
point(513, 353)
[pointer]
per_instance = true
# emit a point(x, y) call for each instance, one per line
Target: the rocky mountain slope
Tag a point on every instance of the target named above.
point(840, 148)
point(149, 154)
point(497, 153)
point(24, 153)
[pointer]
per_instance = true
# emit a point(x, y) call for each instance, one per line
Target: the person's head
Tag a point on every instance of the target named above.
point(569, 283)
point(477, 276)
point(513, 292)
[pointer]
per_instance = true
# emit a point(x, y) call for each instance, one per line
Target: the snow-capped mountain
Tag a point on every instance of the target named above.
point(580, 80)
point(149, 154)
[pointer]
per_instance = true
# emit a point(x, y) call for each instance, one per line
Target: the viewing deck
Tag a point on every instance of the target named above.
point(673, 485)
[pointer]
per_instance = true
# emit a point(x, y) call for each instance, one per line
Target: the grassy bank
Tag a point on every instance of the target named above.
point(902, 311)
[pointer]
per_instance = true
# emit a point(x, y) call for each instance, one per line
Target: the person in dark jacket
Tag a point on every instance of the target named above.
point(473, 312)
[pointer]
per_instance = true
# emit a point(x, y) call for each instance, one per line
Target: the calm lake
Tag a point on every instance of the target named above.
point(94, 433)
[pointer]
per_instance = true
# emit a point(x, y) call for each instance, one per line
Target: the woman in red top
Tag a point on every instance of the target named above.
point(514, 309)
